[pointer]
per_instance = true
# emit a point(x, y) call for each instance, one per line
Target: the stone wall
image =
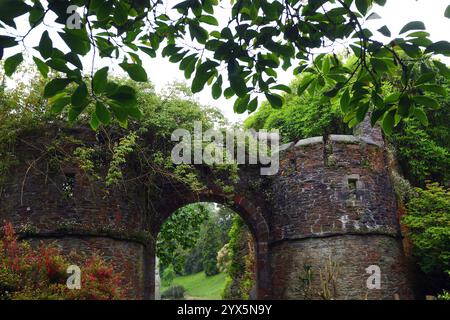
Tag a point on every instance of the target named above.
point(329, 210)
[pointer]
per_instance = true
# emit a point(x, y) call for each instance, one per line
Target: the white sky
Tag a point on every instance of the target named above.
point(395, 14)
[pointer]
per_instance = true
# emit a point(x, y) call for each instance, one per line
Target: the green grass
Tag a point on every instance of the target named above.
point(200, 287)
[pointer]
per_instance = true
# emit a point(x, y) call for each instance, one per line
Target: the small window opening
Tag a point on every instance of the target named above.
point(352, 188)
point(352, 184)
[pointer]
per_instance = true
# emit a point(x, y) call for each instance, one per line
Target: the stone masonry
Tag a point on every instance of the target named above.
point(328, 214)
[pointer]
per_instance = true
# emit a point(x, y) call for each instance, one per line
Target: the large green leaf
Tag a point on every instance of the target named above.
point(388, 122)
point(55, 86)
point(42, 66)
point(440, 47)
point(12, 63)
point(77, 40)
point(100, 80)
point(413, 25)
point(135, 71)
point(275, 100)
point(58, 105)
point(10, 9)
point(421, 116)
point(426, 101)
point(102, 113)
point(79, 95)
point(120, 13)
point(362, 6)
point(45, 45)
point(434, 88)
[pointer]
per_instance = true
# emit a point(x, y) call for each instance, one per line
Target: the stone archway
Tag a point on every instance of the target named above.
point(252, 217)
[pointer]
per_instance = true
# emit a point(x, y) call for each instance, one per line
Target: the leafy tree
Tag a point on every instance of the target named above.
point(168, 276)
point(180, 232)
point(428, 219)
point(260, 36)
point(301, 117)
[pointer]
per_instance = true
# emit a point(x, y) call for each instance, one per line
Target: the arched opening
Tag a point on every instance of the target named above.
point(252, 217)
point(205, 251)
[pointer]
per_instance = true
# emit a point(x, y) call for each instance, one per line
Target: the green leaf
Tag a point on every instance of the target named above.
point(443, 69)
point(404, 105)
point(204, 72)
point(306, 81)
point(133, 111)
point(275, 100)
point(240, 105)
point(385, 31)
point(362, 111)
point(392, 98)
point(79, 95)
point(55, 86)
point(74, 112)
point(95, 122)
point(345, 101)
point(73, 59)
point(434, 88)
point(426, 101)
point(379, 65)
point(124, 95)
point(198, 33)
point(388, 122)
point(447, 12)
point(12, 63)
point(217, 88)
point(209, 20)
point(102, 113)
point(440, 47)
point(421, 116)
point(58, 106)
point(282, 87)
point(42, 67)
point(237, 83)
point(426, 77)
point(77, 40)
point(45, 46)
point(380, 2)
point(6, 42)
point(253, 105)
point(120, 13)
point(100, 80)
point(135, 71)
point(413, 25)
point(362, 6)
point(10, 9)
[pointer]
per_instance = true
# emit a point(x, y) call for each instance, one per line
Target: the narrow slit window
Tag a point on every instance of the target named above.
point(352, 185)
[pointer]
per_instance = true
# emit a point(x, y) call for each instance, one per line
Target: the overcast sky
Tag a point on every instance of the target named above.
point(395, 14)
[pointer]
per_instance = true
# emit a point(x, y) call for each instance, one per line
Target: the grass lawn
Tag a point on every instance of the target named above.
point(200, 287)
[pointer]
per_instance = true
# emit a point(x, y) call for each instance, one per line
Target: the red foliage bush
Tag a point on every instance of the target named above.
point(41, 273)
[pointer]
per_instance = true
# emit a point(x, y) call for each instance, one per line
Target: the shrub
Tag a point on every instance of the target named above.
point(168, 275)
point(27, 273)
point(174, 292)
point(428, 218)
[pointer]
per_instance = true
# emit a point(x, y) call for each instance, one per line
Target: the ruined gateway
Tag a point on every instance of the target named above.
point(328, 214)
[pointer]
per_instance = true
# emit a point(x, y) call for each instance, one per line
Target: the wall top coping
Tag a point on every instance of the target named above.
point(309, 141)
point(345, 138)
